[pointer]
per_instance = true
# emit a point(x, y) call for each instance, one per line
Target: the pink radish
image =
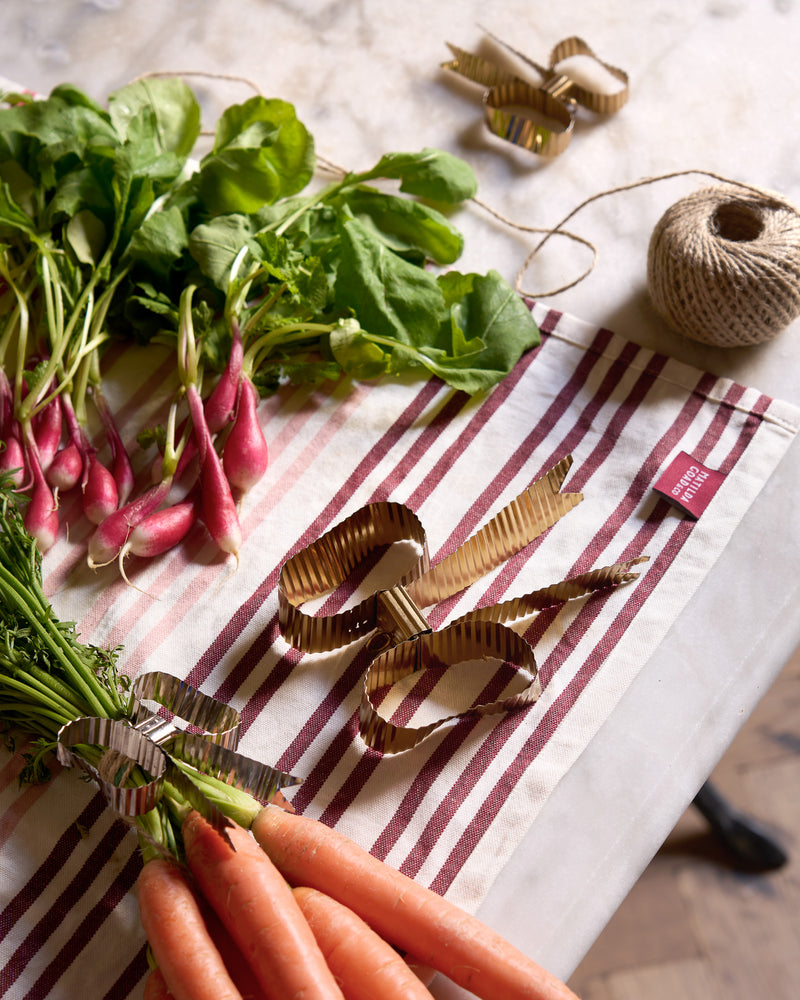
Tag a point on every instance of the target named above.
point(77, 437)
point(219, 508)
point(161, 531)
point(66, 469)
point(245, 456)
point(41, 515)
point(189, 452)
point(47, 426)
point(110, 536)
point(220, 406)
point(12, 454)
point(12, 459)
point(121, 467)
point(100, 498)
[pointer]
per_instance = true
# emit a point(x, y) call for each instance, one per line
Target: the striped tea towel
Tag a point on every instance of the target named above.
point(450, 811)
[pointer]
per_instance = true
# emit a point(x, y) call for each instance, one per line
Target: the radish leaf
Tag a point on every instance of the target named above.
point(409, 228)
point(392, 298)
point(262, 152)
point(431, 173)
point(173, 113)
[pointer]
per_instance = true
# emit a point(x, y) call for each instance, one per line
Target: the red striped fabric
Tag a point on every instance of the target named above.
point(452, 810)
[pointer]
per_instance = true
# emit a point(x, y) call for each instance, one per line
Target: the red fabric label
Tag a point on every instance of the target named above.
point(689, 485)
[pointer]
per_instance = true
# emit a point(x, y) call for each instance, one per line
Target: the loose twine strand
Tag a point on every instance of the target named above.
point(558, 229)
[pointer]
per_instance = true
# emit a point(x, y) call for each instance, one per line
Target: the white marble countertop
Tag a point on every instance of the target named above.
point(713, 87)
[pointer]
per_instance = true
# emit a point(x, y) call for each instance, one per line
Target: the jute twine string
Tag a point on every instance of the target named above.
point(723, 263)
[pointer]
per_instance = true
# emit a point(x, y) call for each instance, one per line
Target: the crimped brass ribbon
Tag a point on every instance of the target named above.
point(527, 516)
point(332, 559)
point(458, 643)
point(402, 641)
point(522, 127)
point(557, 593)
point(329, 561)
point(593, 100)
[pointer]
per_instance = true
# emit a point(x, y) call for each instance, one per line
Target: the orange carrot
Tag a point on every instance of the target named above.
point(155, 986)
point(403, 912)
point(424, 973)
point(186, 955)
point(257, 907)
point(237, 965)
point(363, 963)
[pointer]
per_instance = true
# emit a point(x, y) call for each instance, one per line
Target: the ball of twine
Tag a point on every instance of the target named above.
point(723, 266)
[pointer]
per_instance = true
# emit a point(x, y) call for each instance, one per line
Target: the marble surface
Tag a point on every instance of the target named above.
point(710, 84)
point(713, 88)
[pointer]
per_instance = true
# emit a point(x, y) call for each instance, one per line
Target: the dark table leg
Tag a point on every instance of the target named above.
point(751, 845)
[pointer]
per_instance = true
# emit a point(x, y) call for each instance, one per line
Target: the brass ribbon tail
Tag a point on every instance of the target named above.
point(602, 578)
point(519, 523)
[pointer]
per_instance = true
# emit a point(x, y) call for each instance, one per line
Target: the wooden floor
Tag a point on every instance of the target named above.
point(695, 928)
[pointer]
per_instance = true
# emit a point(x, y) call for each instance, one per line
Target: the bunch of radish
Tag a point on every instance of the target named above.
point(46, 449)
point(90, 223)
point(200, 478)
point(293, 908)
point(224, 447)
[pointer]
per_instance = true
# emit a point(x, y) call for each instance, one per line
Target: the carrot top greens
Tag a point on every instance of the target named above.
point(48, 677)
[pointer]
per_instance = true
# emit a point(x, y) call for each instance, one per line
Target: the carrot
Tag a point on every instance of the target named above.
point(155, 986)
point(188, 958)
point(364, 964)
point(257, 907)
point(404, 913)
point(230, 952)
point(424, 973)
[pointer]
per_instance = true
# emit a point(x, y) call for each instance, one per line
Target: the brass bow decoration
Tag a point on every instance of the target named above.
point(152, 740)
point(401, 640)
point(538, 116)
